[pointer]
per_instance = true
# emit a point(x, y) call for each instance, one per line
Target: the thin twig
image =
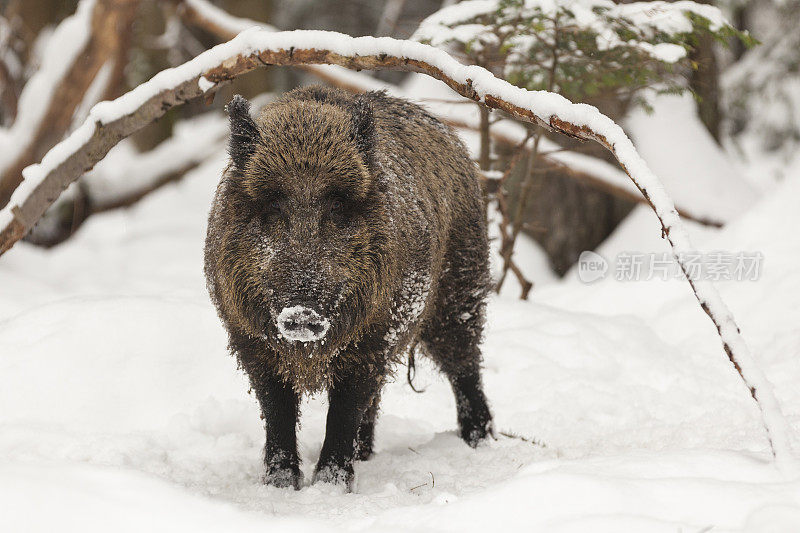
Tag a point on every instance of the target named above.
point(516, 225)
point(531, 440)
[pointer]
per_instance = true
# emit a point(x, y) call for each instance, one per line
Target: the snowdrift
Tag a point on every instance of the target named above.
point(120, 409)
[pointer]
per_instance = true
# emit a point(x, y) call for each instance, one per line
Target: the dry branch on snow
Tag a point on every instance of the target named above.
point(109, 122)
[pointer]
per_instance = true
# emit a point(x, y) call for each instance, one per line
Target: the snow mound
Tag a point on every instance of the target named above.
point(693, 168)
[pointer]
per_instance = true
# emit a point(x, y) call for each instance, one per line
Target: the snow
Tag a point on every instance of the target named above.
point(8, 52)
point(93, 94)
point(436, 94)
point(204, 84)
point(546, 106)
point(298, 313)
point(762, 92)
point(458, 13)
point(263, 37)
point(707, 186)
point(120, 408)
point(119, 404)
point(670, 17)
point(34, 174)
point(461, 22)
point(255, 39)
point(125, 170)
point(222, 18)
point(667, 52)
point(695, 171)
point(409, 306)
point(57, 55)
point(529, 257)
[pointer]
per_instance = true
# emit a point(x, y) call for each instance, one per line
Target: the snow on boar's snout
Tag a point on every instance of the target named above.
point(298, 323)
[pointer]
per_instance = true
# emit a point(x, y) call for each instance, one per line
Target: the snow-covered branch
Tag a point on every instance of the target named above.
point(587, 169)
point(109, 122)
point(127, 175)
point(81, 46)
point(65, 45)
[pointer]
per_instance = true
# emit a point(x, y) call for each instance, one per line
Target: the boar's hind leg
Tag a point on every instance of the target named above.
point(460, 362)
point(279, 407)
point(452, 337)
point(349, 400)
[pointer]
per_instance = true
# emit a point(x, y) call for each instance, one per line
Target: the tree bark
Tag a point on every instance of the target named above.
point(704, 81)
point(84, 205)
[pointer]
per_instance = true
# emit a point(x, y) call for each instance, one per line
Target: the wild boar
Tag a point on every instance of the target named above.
point(345, 228)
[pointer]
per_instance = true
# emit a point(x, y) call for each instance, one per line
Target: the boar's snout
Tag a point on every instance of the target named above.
point(299, 323)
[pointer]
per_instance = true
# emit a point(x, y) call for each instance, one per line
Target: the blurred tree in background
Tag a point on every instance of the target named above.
point(599, 52)
point(609, 55)
point(763, 86)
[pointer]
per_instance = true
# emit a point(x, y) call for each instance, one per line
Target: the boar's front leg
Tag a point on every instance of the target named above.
point(366, 431)
point(279, 406)
point(349, 400)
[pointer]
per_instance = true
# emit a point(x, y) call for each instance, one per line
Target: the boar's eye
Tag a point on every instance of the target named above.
point(339, 209)
point(339, 206)
point(271, 209)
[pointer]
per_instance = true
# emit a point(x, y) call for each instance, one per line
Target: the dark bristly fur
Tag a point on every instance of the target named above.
point(367, 210)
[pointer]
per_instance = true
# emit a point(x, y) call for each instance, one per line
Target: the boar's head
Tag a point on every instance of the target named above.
point(303, 258)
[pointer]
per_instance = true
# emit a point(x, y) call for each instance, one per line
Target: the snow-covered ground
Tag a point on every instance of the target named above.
point(120, 409)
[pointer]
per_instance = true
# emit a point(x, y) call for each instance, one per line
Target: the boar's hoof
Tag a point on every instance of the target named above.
point(475, 431)
point(335, 475)
point(283, 477)
point(298, 323)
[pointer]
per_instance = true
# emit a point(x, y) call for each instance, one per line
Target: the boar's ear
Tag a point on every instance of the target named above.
point(364, 127)
point(244, 132)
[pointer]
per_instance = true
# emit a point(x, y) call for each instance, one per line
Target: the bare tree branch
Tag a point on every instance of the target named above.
point(9, 82)
point(108, 123)
point(495, 187)
point(9, 94)
point(516, 225)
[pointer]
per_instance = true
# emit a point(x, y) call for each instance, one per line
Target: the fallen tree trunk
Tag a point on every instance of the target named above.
point(109, 122)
